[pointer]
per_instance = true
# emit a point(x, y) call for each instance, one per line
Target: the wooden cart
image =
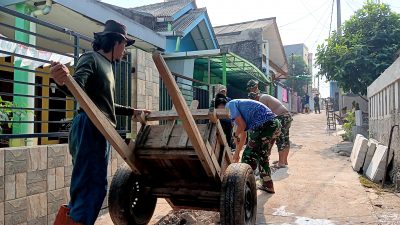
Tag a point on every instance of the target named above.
point(188, 164)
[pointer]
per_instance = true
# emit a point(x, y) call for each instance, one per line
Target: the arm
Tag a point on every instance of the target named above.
point(85, 68)
point(128, 111)
point(240, 137)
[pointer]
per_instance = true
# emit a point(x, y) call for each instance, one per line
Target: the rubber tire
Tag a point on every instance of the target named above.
point(237, 182)
point(126, 189)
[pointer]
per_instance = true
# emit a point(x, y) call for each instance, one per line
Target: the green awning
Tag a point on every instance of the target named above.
point(238, 70)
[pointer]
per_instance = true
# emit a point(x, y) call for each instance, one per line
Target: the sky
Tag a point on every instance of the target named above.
point(299, 21)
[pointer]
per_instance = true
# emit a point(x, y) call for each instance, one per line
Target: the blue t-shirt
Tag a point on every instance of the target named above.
point(253, 112)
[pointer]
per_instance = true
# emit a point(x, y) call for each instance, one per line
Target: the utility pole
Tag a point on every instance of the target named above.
point(338, 98)
point(339, 18)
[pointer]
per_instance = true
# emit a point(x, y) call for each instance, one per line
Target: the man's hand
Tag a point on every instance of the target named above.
point(139, 111)
point(59, 73)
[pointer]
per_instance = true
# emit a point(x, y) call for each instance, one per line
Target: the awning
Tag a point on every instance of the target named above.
point(237, 71)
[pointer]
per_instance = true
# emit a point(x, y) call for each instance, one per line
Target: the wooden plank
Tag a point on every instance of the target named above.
point(198, 114)
point(153, 139)
point(212, 114)
point(226, 160)
point(143, 135)
point(221, 135)
point(141, 118)
point(101, 122)
point(218, 151)
point(183, 141)
point(168, 130)
point(194, 105)
point(188, 154)
point(168, 192)
point(214, 159)
point(184, 114)
point(171, 204)
point(184, 138)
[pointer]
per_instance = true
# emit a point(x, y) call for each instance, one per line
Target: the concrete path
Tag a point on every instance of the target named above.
point(318, 188)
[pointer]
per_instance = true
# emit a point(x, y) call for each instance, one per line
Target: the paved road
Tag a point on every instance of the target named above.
point(319, 187)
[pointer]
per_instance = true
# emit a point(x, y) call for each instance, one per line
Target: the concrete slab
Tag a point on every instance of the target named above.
point(376, 168)
point(359, 152)
point(372, 144)
point(355, 146)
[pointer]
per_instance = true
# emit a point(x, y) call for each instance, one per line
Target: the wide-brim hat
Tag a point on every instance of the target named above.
point(113, 27)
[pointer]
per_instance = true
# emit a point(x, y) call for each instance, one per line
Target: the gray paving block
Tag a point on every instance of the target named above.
point(372, 144)
point(359, 152)
point(376, 168)
point(355, 147)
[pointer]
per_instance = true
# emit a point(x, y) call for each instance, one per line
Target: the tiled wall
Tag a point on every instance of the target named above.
point(34, 182)
point(145, 83)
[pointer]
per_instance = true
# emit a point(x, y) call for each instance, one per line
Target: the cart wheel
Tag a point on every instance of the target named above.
point(238, 202)
point(129, 203)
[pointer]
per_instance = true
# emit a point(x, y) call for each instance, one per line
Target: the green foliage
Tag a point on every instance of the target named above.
point(350, 121)
point(298, 75)
point(8, 113)
point(368, 46)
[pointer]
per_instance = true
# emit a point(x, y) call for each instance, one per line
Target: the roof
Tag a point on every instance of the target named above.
point(262, 31)
point(238, 27)
point(164, 9)
point(174, 18)
point(184, 21)
point(69, 14)
point(238, 70)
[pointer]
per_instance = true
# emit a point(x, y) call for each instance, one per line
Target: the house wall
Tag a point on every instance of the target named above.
point(249, 50)
point(35, 181)
point(384, 112)
point(348, 102)
point(297, 49)
point(171, 44)
point(187, 44)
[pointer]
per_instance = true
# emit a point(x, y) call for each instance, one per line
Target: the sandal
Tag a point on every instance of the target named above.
point(268, 187)
point(279, 166)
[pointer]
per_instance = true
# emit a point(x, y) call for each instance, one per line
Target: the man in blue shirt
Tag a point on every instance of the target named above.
point(263, 127)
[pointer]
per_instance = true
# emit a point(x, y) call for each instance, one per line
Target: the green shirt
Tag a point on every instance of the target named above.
point(94, 73)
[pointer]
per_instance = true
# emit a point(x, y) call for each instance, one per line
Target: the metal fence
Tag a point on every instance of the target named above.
point(191, 90)
point(32, 107)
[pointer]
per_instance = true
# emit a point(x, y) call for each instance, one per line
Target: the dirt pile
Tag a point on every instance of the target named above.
point(190, 217)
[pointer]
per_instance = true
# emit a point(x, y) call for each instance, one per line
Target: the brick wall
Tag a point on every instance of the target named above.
point(34, 182)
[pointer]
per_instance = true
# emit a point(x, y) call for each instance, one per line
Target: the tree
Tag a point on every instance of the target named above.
point(369, 44)
point(299, 75)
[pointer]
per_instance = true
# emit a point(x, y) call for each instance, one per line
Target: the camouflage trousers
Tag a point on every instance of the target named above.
point(283, 140)
point(258, 148)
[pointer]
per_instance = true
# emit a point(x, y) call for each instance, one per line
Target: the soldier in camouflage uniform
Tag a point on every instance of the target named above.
point(263, 128)
point(283, 115)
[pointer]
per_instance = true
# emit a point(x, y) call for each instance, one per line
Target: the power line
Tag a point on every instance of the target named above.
point(322, 29)
point(348, 4)
point(316, 25)
point(305, 6)
point(302, 17)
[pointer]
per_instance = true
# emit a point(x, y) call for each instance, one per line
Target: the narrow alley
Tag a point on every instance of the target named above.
point(318, 188)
